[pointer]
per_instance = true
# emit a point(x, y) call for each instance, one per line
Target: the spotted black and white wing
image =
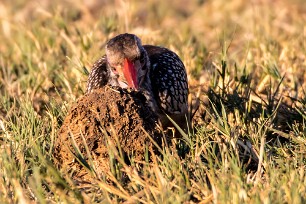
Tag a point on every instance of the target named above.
point(99, 75)
point(168, 79)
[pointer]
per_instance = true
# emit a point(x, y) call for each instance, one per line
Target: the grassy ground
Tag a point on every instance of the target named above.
point(248, 57)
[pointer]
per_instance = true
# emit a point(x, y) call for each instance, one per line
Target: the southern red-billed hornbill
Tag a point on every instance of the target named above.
point(156, 71)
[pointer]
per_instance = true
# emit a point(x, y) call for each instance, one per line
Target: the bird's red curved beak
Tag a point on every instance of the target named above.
point(130, 74)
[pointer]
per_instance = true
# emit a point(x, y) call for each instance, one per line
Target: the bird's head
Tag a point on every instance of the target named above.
point(127, 59)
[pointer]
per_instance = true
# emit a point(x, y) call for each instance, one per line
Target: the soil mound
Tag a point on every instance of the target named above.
point(117, 115)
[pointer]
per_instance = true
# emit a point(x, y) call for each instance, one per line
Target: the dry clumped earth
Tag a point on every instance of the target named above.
point(100, 119)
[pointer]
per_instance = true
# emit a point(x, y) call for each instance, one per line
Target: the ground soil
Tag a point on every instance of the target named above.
point(101, 120)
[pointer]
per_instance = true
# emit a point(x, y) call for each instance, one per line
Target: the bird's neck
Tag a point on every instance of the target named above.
point(146, 88)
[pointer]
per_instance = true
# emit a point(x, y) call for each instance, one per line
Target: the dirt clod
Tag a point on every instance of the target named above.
point(103, 117)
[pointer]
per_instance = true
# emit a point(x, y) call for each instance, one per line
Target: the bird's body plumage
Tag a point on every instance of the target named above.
point(161, 76)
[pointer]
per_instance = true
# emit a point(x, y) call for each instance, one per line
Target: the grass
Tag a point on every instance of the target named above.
point(248, 58)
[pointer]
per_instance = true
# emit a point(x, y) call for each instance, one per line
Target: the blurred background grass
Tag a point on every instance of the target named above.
point(47, 49)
